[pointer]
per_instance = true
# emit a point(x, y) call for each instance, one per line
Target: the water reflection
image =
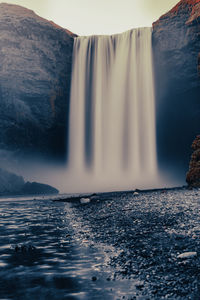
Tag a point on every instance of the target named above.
point(44, 253)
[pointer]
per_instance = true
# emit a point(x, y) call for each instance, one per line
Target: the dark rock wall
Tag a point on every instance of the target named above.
point(10, 183)
point(193, 175)
point(35, 74)
point(176, 45)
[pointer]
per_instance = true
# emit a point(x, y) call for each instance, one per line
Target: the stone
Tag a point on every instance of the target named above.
point(84, 200)
point(94, 278)
point(35, 74)
point(193, 175)
point(187, 255)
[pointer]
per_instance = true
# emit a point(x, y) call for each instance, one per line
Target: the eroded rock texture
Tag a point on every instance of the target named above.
point(176, 42)
point(193, 175)
point(35, 72)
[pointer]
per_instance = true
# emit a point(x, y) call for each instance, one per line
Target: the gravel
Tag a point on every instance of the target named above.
point(150, 231)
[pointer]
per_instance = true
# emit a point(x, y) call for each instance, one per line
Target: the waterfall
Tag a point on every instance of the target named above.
point(112, 138)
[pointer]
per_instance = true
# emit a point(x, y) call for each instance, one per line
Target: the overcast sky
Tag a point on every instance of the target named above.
point(86, 17)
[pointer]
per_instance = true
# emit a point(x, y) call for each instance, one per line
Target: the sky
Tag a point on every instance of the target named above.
point(88, 17)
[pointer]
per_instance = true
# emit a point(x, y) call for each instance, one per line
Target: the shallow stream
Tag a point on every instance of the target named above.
point(46, 254)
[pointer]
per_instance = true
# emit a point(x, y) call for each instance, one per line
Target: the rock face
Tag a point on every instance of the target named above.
point(35, 188)
point(176, 45)
point(35, 72)
point(12, 184)
point(193, 175)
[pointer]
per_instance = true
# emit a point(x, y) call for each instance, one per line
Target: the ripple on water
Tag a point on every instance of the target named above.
point(3, 264)
point(61, 264)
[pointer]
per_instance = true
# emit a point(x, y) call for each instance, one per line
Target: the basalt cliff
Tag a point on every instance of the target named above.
point(176, 47)
point(35, 73)
point(193, 175)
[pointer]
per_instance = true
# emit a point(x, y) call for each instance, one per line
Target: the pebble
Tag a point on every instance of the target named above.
point(94, 278)
point(108, 279)
point(139, 285)
point(186, 255)
point(84, 200)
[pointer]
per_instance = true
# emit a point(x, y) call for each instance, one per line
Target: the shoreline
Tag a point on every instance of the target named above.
point(149, 230)
point(145, 238)
point(103, 195)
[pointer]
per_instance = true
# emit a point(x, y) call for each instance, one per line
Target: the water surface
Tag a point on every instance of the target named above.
point(46, 254)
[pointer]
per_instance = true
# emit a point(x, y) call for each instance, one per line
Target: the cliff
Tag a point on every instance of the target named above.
point(176, 45)
point(193, 175)
point(12, 184)
point(35, 73)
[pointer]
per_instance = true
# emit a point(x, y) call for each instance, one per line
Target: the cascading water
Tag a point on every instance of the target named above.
point(112, 142)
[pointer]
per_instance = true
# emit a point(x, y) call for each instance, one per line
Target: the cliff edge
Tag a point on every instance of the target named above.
point(176, 46)
point(35, 74)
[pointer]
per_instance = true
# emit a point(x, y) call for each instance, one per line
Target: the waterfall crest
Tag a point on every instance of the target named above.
point(112, 138)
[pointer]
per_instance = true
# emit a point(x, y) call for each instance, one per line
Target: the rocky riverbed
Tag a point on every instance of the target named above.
point(127, 245)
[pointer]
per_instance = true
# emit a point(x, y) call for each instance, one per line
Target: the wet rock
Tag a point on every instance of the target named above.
point(139, 285)
point(193, 175)
point(24, 248)
point(108, 279)
point(94, 278)
point(17, 248)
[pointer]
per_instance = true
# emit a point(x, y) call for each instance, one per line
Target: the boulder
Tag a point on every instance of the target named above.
point(176, 49)
point(35, 74)
point(193, 175)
